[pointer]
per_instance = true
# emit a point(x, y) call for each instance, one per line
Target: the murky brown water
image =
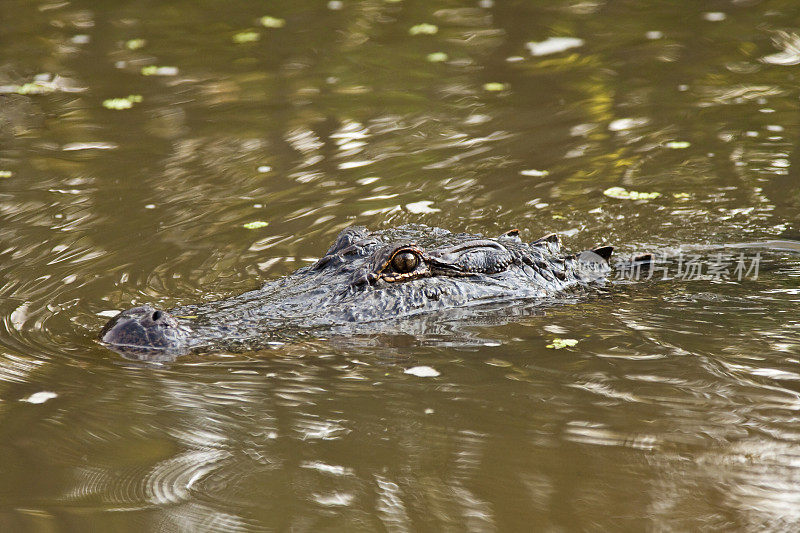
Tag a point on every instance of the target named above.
point(677, 408)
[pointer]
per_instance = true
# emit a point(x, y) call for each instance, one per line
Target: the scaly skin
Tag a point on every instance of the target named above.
point(366, 277)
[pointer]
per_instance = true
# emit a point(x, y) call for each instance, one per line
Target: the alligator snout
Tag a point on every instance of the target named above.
point(143, 330)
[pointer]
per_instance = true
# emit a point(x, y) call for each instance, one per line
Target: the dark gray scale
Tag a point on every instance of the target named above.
point(472, 257)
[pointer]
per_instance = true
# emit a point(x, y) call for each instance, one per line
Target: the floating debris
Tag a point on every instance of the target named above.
point(153, 70)
point(423, 29)
point(272, 22)
point(495, 86)
point(437, 57)
point(553, 45)
point(715, 16)
point(118, 104)
point(36, 87)
point(246, 37)
point(6, 173)
point(681, 195)
point(44, 83)
point(135, 44)
point(255, 225)
point(422, 371)
point(624, 194)
point(562, 343)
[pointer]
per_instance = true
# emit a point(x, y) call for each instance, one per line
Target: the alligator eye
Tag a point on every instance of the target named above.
point(405, 262)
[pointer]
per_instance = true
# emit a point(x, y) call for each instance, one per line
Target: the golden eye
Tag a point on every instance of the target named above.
point(405, 262)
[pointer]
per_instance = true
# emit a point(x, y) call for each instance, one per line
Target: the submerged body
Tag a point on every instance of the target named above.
point(365, 278)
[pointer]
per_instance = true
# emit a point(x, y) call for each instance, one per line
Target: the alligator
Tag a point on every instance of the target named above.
point(364, 279)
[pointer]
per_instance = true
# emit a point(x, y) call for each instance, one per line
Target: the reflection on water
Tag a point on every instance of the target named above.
point(250, 142)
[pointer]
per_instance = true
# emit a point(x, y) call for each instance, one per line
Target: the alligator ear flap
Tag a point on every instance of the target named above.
point(550, 238)
point(604, 252)
point(512, 234)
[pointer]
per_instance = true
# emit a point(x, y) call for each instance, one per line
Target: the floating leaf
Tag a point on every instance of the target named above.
point(119, 104)
point(623, 194)
point(255, 225)
point(495, 86)
point(6, 173)
point(681, 195)
point(423, 29)
point(562, 343)
point(153, 70)
point(437, 57)
point(272, 22)
point(36, 88)
point(246, 37)
point(135, 44)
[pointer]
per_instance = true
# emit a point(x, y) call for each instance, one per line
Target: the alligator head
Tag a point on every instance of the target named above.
point(365, 278)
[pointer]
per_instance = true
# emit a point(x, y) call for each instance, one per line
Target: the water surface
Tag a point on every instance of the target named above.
point(675, 410)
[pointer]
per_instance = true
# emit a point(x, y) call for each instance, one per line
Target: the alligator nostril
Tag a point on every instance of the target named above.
point(157, 315)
